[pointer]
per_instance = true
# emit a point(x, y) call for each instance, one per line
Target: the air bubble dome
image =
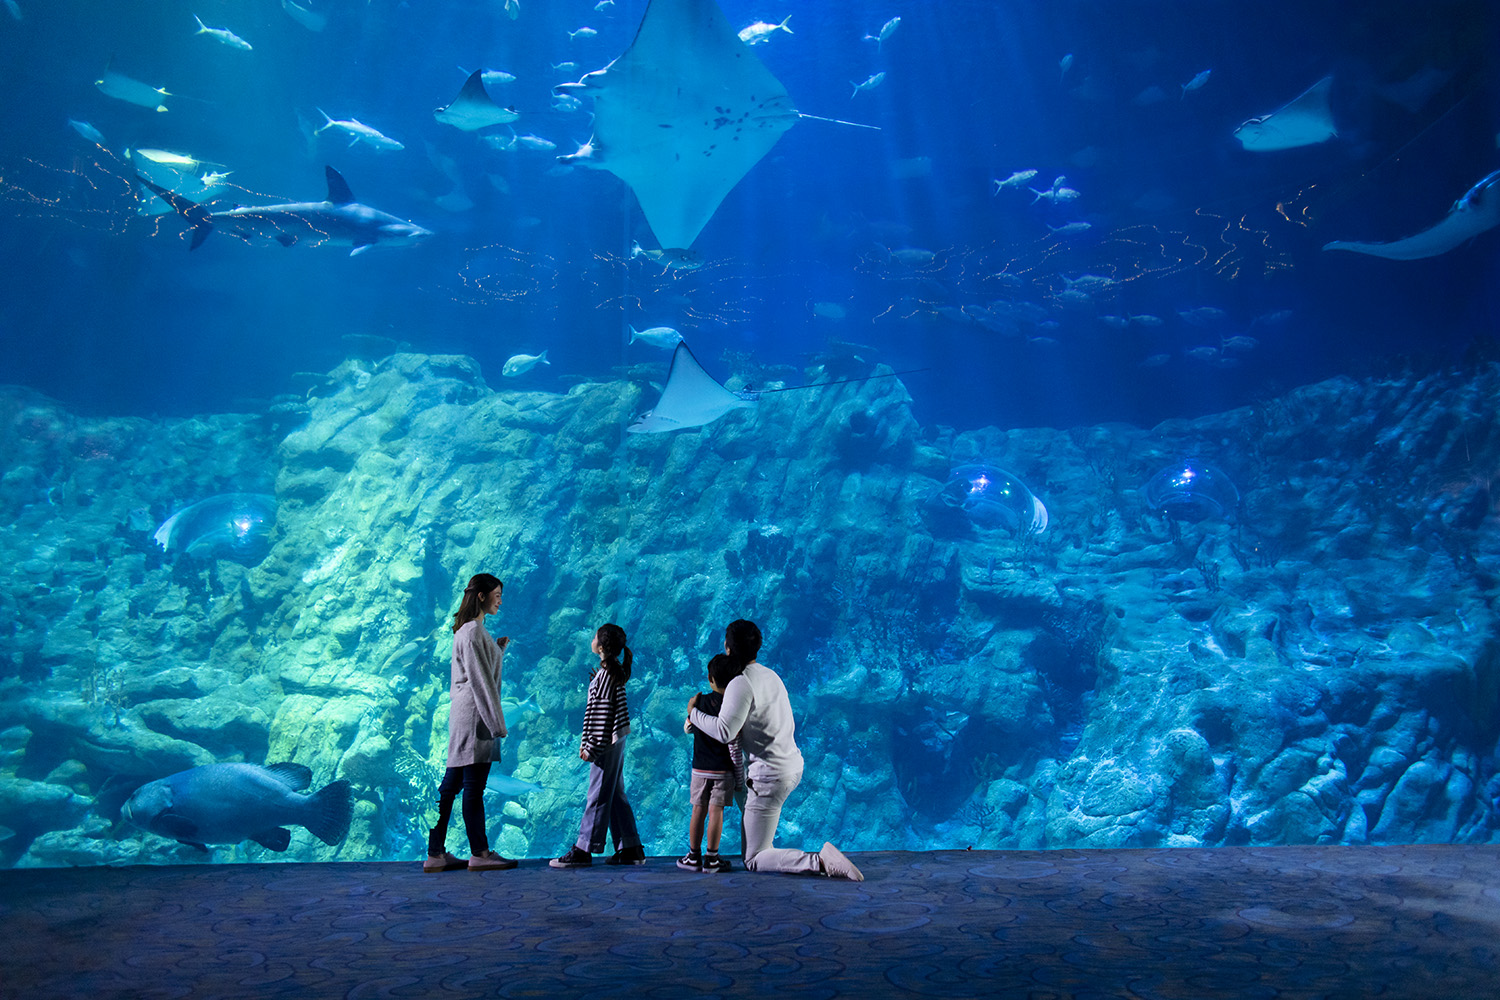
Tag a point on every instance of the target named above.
point(1192, 491)
point(994, 498)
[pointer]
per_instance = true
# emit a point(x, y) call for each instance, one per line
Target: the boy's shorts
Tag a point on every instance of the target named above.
point(712, 788)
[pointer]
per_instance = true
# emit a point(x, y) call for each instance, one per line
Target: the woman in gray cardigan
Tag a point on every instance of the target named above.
point(475, 727)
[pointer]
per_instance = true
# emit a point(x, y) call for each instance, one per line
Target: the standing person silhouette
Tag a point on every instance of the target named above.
point(757, 710)
point(606, 724)
point(476, 725)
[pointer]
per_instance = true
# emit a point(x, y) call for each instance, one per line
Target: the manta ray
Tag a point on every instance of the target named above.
point(691, 398)
point(1304, 121)
point(1477, 211)
point(473, 109)
point(681, 116)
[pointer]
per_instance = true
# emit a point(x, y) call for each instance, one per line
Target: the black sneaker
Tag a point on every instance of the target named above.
point(690, 862)
point(713, 864)
point(627, 856)
point(573, 859)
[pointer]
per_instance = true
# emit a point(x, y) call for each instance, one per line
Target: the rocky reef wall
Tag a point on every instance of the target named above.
point(1322, 667)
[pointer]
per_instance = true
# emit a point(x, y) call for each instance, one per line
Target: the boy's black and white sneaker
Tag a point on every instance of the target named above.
point(713, 864)
point(575, 858)
point(627, 856)
point(692, 861)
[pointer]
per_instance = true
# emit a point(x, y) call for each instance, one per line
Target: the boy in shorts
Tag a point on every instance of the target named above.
point(718, 769)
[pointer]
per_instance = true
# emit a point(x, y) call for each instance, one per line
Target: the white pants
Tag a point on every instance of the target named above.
point(761, 809)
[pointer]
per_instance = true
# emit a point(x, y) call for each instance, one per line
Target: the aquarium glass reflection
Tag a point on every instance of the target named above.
point(1092, 403)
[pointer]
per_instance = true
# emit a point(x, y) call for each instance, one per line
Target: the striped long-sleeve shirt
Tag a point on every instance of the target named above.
point(606, 716)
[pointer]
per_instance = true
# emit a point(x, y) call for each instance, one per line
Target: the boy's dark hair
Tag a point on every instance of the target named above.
point(721, 670)
point(743, 641)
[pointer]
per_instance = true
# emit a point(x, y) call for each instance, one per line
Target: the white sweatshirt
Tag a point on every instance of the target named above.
point(757, 710)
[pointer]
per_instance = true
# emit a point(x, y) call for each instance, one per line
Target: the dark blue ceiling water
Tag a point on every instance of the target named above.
point(112, 314)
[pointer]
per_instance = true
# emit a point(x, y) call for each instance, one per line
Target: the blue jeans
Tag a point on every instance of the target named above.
point(607, 810)
point(471, 778)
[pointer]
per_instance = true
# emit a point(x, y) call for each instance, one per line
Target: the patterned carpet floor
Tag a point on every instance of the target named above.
point(1337, 922)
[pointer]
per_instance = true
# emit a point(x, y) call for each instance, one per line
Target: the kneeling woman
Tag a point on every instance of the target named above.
point(757, 710)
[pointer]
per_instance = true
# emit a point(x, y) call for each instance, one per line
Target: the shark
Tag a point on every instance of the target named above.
point(339, 220)
point(1477, 211)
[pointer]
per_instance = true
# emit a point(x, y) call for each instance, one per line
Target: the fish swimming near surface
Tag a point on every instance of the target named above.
point(222, 35)
point(1058, 193)
point(520, 364)
point(1197, 82)
point(340, 220)
point(871, 83)
point(1015, 180)
point(235, 526)
point(87, 131)
point(1476, 212)
point(230, 803)
point(308, 18)
point(124, 88)
point(1306, 120)
point(760, 32)
point(670, 260)
point(657, 336)
point(886, 31)
point(511, 786)
point(536, 142)
point(359, 132)
point(473, 109)
point(516, 712)
point(177, 172)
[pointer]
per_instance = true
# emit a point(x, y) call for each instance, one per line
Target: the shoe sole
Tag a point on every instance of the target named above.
point(556, 864)
point(493, 868)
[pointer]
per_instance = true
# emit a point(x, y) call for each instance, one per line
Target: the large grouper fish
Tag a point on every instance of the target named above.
point(229, 803)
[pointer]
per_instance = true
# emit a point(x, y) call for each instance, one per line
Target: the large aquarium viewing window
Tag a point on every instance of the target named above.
point(1093, 404)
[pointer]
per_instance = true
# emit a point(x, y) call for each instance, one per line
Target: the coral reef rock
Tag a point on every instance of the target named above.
point(1320, 665)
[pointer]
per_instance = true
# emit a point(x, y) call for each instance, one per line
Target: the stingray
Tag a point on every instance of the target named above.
point(682, 116)
point(691, 398)
point(1478, 210)
point(1305, 121)
point(473, 109)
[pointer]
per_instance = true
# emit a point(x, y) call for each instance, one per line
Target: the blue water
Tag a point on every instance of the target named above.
point(1179, 214)
point(958, 679)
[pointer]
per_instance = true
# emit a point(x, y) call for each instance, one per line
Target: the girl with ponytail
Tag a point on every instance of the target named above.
point(606, 722)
